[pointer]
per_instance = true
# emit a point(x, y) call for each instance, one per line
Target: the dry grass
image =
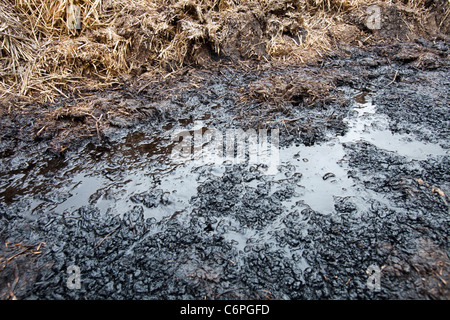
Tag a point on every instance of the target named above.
point(42, 54)
point(333, 5)
point(276, 90)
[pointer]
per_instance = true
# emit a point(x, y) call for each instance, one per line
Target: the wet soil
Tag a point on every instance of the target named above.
point(363, 180)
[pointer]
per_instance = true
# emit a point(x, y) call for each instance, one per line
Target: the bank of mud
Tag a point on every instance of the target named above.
point(364, 131)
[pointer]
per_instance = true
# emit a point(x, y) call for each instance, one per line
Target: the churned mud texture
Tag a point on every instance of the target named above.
point(87, 178)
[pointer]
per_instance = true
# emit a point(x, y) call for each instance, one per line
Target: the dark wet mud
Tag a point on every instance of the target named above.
point(363, 180)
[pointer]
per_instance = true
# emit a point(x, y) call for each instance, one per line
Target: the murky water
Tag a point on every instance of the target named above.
point(324, 168)
point(373, 127)
point(250, 212)
point(137, 169)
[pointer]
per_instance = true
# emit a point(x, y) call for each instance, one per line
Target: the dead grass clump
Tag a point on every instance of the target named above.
point(306, 30)
point(51, 17)
point(18, 47)
point(47, 51)
point(83, 57)
point(17, 42)
point(332, 5)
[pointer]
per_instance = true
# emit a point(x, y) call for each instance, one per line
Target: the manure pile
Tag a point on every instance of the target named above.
point(56, 48)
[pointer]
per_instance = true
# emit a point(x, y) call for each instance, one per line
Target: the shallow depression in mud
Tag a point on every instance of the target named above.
point(324, 167)
point(138, 169)
point(242, 204)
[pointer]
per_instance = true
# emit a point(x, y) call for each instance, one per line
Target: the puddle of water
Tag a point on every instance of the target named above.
point(137, 170)
point(315, 164)
point(84, 187)
point(374, 128)
point(323, 166)
point(138, 165)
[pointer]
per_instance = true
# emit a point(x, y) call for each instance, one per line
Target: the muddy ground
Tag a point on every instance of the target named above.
point(363, 181)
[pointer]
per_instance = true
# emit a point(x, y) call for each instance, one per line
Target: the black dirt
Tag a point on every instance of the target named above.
point(140, 227)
